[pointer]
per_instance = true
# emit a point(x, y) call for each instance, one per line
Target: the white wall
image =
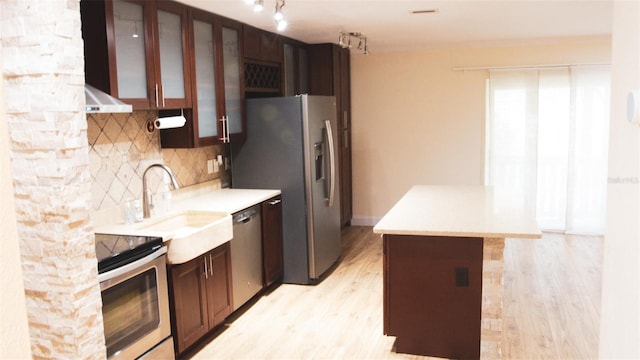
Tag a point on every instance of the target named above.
point(620, 306)
point(417, 121)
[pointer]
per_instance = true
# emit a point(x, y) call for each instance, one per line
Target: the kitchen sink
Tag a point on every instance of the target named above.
point(191, 233)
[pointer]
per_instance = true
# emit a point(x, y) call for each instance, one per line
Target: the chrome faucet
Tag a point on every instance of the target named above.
point(145, 196)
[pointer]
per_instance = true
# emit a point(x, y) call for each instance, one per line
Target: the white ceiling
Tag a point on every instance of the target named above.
point(390, 26)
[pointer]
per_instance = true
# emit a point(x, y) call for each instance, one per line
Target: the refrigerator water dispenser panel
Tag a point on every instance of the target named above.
point(319, 156)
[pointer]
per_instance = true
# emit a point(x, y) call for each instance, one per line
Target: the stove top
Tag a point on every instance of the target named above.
point(114, 251)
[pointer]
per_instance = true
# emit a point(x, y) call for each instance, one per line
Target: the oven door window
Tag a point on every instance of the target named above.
point(130, 310)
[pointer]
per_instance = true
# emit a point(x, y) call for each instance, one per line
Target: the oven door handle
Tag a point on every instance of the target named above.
point(132, 266)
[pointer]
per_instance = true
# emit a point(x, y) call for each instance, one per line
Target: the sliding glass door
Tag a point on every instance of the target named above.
point(547, 142)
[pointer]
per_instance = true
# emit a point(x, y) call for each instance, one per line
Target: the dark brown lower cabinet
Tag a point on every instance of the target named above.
point(201, 295)
point(272, 261)
point(433, 294)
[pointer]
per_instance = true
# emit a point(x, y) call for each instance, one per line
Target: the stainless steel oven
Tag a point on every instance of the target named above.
point(135, 301)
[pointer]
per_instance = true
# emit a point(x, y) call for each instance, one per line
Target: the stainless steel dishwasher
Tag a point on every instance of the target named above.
point(246, 255)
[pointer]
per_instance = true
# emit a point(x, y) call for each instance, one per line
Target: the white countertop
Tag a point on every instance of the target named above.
point(225, 200)
point(202, 197)
point(475, 211)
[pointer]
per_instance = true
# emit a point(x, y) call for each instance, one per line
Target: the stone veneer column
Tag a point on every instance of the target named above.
point(492, 296)
point(43, 77)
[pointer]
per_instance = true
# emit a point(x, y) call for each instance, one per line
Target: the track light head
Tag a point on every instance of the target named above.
point(278, 15)
point(282, 25)
point(344, 41)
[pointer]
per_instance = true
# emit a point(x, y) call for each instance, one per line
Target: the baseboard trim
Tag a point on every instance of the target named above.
point(364, 220)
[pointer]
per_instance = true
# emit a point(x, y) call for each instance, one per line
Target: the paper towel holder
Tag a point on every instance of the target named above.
point(151, 127)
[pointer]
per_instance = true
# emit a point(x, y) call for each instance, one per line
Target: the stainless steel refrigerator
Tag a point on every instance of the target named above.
point(292, 145)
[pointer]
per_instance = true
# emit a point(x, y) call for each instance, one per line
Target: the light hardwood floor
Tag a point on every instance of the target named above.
point(551, 306)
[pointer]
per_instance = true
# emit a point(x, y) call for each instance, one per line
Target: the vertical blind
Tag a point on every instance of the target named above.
point(547, 142)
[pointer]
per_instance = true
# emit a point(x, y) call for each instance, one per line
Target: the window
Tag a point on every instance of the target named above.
point(547, 142)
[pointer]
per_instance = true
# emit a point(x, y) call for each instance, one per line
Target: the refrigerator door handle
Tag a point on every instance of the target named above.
point(332, 160)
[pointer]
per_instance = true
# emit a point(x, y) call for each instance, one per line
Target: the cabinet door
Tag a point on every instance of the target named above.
point(172, 52)
point(233, 82)
point(261, 45)
point(205, 109)
point(321, 70)
point(189, 299)
point(130, 43)
point(290, 70)
point(296, 69)
point(433, 295)
point(272, 262)
point(219, 292)
point(303, 70)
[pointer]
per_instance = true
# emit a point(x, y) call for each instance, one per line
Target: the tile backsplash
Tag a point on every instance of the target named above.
point(121, 148)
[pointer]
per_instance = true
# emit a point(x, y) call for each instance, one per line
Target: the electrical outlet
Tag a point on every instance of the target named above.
point(462, 276)
point(210, 166)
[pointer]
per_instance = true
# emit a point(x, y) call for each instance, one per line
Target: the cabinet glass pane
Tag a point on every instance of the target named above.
point(289, 71)
point(205, 79)
point(231, 57)
point(303, 68)
point(128, 23)
point(171, 61)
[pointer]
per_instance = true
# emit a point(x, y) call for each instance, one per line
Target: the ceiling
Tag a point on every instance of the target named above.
point(390, 26)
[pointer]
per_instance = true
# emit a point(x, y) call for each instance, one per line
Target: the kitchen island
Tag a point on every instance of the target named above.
point(443, 268)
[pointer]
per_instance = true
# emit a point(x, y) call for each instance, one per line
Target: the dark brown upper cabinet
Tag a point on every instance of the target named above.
point(262, 62)
point(296, 67)
point(261, 45)
point(138, 51)
point(231, 34)
point(217, 115)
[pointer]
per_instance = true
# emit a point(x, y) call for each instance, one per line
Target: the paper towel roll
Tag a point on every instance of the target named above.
point(170, 122)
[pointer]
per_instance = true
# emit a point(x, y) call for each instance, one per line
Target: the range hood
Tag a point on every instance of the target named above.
point(100, 102)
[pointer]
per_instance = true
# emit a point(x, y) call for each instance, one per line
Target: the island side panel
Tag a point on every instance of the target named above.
point(433, 294)
point(492, 298)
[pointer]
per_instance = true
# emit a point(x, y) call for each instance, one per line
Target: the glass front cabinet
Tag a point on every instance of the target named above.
point(148, 53)
point(217, 112)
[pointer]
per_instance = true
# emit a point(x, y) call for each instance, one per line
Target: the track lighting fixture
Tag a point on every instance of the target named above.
point(344, 41)
point(281, 23)
point(278, 16)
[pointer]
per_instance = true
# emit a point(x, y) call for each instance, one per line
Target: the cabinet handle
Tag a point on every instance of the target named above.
point(206, 271)
point(227, 136)
point(211, 263)
point(224, 129)
point(332, 160)
point(156, 95)
point(345, 120)
point(275, 202)
point(163, 105)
